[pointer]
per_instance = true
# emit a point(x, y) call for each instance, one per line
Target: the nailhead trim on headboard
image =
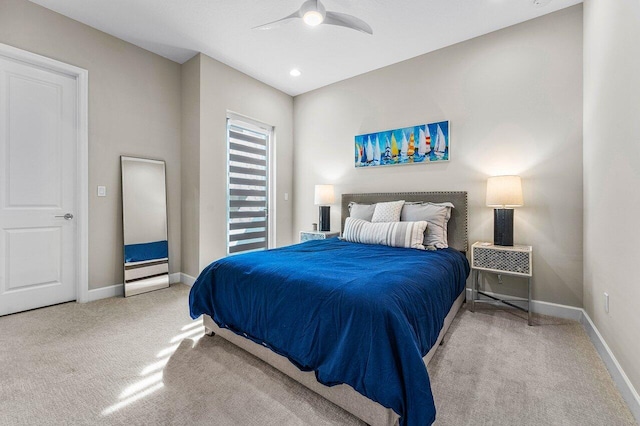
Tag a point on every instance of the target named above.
point(458, 224)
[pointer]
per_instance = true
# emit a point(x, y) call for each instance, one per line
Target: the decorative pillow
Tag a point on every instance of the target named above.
point(437, 214)
point(361, 211)
point(387, 212)
point(394, 234)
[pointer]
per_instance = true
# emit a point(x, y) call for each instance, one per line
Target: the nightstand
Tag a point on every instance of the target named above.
point(316, 235)
point(503, 260)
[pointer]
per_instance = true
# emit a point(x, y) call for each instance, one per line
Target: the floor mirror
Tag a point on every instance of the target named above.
point(144, 224)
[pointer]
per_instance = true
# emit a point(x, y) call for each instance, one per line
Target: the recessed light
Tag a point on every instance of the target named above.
point(295, 72)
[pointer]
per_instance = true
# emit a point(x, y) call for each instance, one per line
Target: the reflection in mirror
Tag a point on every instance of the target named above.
point(144, 223)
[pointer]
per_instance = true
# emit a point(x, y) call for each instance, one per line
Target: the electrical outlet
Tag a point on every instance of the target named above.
point(606, 302)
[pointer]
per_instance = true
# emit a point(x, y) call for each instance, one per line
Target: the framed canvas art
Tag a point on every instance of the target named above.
point(426, 143)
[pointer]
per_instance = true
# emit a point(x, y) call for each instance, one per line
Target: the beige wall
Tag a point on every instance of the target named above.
point(514, 99)
point(190, 158)
point(134, 109)
point(612, 175)
point(224, 89)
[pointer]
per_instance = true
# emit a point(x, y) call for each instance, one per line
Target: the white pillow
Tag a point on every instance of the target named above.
point(394, 234)
point(387, 212)
point(437, 214)
point(361, 211)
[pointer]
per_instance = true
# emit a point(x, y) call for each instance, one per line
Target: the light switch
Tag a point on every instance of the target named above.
point(286, 196)
point(102, 191)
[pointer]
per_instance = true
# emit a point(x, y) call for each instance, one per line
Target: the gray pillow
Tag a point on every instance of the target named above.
point(361, 211)
point(437, 214)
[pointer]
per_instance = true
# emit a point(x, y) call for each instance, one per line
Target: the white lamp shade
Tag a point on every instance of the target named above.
point(504, 191)
point(324, 195)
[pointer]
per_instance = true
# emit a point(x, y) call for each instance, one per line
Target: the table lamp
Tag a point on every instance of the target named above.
point(324, 196)
point(503, 194)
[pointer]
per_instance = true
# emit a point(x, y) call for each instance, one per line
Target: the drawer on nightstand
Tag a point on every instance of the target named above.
point(515, 260)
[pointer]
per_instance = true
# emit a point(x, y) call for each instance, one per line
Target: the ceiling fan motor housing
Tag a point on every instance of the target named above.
point(313, 12)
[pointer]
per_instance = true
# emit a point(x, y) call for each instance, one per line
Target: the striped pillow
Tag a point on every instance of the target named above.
point(394, 234)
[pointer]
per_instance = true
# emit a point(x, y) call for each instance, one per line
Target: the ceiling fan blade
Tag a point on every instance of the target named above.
point(279, 22)
point(348, 21)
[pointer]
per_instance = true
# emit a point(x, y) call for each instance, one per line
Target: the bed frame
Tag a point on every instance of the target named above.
point(344, 395)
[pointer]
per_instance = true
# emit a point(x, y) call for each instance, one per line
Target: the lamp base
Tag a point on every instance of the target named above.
point(503, 227)
point(325, 218)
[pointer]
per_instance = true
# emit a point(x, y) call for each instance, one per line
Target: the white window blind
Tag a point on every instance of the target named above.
point(248, 187)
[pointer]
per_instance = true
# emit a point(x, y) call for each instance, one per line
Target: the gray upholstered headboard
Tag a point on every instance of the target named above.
point(457, 235)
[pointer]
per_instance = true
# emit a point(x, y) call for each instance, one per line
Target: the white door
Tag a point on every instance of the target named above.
point(38, 140)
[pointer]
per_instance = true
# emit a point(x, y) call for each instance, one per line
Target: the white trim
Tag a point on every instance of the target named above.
point(187, 279)
point(272, 192)
point(260, 127)
point(545, 308)
point(82, 213)
point(556, 310)
point(83, 185)
point(620, 378)
point(116, 290)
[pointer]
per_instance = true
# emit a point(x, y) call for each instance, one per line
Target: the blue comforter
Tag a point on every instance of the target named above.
point(359, 314)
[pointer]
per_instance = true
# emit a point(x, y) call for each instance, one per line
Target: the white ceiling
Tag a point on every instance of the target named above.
point(402, 29)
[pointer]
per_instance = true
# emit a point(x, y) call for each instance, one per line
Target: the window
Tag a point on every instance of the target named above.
point(248, 144)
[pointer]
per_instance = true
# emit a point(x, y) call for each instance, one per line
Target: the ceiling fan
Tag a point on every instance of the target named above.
point(313, 13)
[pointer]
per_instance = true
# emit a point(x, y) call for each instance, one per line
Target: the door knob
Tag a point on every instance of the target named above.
point(67, 216)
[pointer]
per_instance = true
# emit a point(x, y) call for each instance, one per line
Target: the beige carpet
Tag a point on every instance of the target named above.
point(142, 361)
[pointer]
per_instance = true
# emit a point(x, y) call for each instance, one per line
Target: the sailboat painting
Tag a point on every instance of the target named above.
point(426, 143)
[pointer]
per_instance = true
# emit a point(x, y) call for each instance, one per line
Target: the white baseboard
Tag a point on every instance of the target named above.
point(116, 290)
point(624, 385)
point(187, 279)
point(545, 308)
point(556, 310)
point(628, 392)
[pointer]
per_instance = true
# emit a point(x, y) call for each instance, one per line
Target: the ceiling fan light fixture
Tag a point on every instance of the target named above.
point(313, 18)
point(313, 13)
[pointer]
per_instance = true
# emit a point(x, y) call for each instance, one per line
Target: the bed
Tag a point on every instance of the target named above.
point(326, 314)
